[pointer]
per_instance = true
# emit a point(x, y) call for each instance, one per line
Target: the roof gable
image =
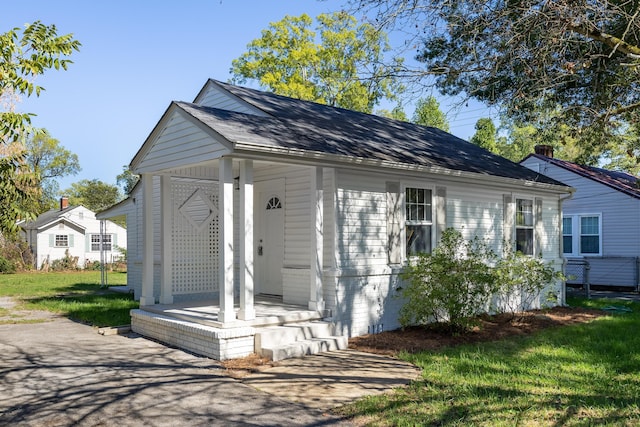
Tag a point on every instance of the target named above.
point(619, 181)
point(51, 217)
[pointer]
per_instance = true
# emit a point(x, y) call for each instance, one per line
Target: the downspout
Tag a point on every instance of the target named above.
point(560, 246)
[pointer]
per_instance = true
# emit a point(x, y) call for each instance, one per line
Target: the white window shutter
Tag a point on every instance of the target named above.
point(441, 211)
point(394, 222)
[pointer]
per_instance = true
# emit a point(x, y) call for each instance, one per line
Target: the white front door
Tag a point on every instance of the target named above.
point(269, 239)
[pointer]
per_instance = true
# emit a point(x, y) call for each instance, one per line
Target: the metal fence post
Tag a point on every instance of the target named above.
point(587, 285)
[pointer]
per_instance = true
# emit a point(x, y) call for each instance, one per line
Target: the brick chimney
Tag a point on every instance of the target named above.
point(544, 150)
point(64, 203)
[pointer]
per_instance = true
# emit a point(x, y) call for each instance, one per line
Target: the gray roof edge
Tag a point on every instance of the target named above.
point(257, 151)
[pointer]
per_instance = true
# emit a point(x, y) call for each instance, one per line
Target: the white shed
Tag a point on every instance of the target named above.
point(73, 231)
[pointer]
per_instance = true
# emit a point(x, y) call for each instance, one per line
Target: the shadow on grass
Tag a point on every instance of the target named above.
point(88, 304)
point(579, 374)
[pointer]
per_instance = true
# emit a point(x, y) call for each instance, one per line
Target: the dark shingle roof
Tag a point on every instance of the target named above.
point(620, 181)
point(304, 125)
point(46, 217)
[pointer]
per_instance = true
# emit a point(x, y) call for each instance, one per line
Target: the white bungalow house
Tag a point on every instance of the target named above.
point(256, 212)
point(601, 222)
point(73, 231)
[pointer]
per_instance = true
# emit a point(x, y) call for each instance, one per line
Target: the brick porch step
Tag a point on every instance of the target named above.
point(297, 340)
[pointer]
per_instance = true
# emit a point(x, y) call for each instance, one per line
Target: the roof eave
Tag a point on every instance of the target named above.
point(314, 158)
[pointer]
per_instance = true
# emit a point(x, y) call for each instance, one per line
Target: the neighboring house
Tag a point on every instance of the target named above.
point(72, 231)
point(245, 193)
point(601, 222)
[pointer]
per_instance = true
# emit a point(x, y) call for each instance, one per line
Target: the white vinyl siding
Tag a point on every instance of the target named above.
point(361, 221)
point(215, 98)
point(180, 143)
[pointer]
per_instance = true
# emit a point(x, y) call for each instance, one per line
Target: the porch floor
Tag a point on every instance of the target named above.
point(270, 311)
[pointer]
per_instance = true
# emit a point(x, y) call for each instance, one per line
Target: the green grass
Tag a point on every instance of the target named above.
point(77, 295)
point(576, 375)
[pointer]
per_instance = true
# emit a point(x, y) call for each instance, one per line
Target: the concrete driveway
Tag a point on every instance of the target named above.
point(61, 373)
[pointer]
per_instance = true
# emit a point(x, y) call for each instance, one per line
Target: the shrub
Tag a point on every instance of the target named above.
point(6, 266)
point(64, 264)
point(459, 279)
point(451, 285)
point(521, 279)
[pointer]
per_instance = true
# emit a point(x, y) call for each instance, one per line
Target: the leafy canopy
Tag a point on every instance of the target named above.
point(340, 63)
point(24, 55)
point(428, 113)
point(93, 194)
point(529, 56)
point(49, 160)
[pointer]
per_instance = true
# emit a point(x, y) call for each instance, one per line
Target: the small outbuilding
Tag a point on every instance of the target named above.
point(73, 232)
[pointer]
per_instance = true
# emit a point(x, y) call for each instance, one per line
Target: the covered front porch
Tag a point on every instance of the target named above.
point(230, 246)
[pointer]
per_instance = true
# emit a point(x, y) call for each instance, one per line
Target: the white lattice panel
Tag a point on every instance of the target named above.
point(195, 236)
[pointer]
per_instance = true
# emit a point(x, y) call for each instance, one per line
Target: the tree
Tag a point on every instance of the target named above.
point(338, 64)
point(527, 56)
point(486, 135)
point(428, 113)
point(397, 113)
point(93, 194)
point(23, 57)
point(127, 180)
point(48, 160)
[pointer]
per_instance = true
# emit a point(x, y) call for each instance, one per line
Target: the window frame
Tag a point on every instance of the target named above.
point(531, 227)
point(100, 242)
point(432, 223)
point(57, 240)
point(576, 236)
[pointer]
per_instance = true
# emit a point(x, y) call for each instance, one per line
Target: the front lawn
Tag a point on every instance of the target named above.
point(584, 374)
point(77, 295)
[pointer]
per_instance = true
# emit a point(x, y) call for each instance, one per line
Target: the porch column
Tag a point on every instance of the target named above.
point(247, 311)
point(166, 240)
point(146, 297)
point(316, 297)
point(225, 212)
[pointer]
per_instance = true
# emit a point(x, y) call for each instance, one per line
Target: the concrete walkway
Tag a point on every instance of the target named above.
point(62, 373)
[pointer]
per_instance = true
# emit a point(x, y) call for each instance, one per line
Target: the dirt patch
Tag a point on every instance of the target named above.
point(240, 368)
point(10, 313)
point(490, 328)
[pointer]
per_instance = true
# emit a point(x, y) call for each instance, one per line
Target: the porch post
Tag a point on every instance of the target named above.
point(225, 210)
point(166, 213)
point(146, 297)
point(247, 311)
point(316, 298)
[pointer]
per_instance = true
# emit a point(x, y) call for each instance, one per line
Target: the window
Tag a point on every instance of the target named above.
point(274, 203)
point(95, 242)
point(62, 241)
point(590, 234)
point(567, 235)
point(524, 226)
point(581, 234)
point(418, 220)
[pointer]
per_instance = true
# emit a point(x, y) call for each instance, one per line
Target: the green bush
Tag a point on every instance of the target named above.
point(65, 264)
point(451, 285)
point(463, 278)
point(520, 281)
point(6, 266)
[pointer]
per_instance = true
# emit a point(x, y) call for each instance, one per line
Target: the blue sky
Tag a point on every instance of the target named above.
point(138, 56)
